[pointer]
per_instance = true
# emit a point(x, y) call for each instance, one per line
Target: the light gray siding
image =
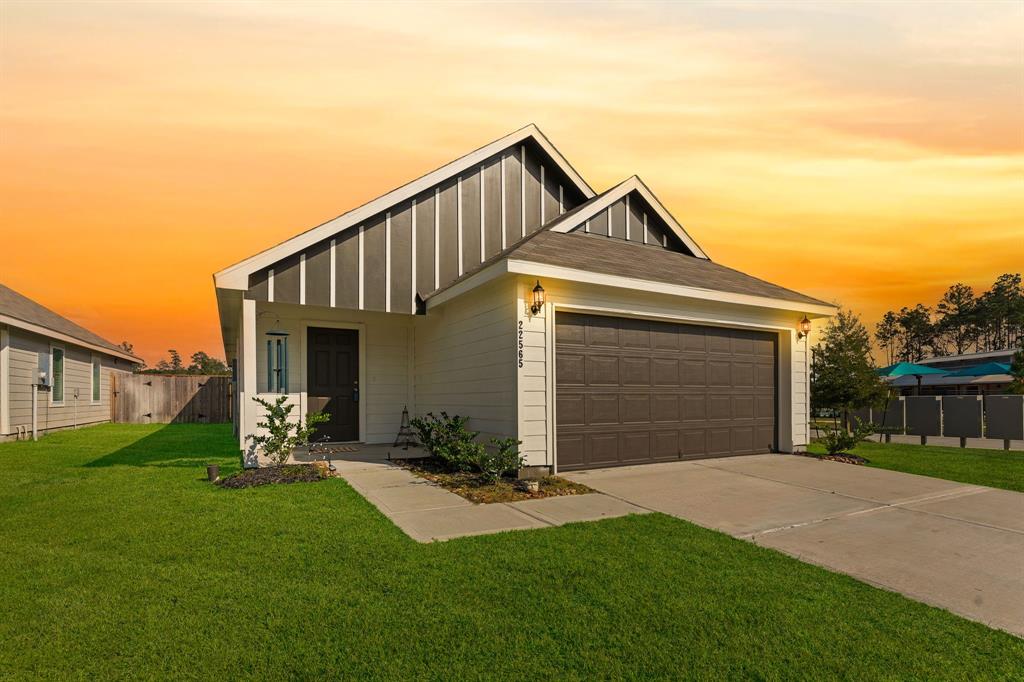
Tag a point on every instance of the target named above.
point(491, 204)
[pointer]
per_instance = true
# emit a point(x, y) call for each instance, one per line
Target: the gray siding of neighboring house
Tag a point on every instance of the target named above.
point(25, 349)
point(390, 251)
point(625, 218)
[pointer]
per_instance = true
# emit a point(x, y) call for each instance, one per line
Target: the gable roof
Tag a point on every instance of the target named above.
point(578, 252)
point(20, 311)
point(574, 219)
point(236, 276)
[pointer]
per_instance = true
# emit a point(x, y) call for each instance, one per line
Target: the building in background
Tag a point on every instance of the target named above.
point(968, 374)
point(68, 367)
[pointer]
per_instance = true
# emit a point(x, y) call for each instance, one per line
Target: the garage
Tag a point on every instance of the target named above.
point(631, 391)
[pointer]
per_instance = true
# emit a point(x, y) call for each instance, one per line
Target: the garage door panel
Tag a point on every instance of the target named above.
point(631, 391)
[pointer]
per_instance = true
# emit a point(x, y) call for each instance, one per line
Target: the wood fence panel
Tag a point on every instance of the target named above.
point(157, 399)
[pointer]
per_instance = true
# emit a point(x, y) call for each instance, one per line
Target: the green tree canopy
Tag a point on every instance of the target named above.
point(843, 374)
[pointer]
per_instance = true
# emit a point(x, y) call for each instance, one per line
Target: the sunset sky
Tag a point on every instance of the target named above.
point(870, 154)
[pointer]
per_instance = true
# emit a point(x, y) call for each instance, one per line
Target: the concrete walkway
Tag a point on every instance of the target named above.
point(427, 512)
point(956, 546)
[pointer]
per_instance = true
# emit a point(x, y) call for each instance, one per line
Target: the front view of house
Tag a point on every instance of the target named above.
point(591, 327)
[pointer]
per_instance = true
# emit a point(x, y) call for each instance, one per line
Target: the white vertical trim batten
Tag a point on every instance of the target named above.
point(334, 273)
point(387, 261)
point(302, 279)
point(270, 285)
point(645, 227)
point(627, 217)
point(437, 237)
point(522, 189)
point(483, 213)
point(362, 268)
point(543, 193)
point(458, 213)
point(504, 216)
point(412, 286)
point(561, 199)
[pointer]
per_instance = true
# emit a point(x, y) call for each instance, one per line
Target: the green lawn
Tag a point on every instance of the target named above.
point(995, 468)
point(119, 560)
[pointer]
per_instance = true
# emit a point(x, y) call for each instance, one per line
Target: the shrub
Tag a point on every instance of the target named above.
point(839, 440)
point(503, 457)
point(447, 438)
point(281, 435)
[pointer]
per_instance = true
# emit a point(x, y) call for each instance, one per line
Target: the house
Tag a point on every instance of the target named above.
point(54, 374)
point(994, 382)
point(501, 286)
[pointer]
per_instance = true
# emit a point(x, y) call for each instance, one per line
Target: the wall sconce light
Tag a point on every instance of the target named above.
point(805, 328)
point(538, 298)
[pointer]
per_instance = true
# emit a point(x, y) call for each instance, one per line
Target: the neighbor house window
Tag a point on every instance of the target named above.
point(95, 379)
point(56, 374)
point(277, 365)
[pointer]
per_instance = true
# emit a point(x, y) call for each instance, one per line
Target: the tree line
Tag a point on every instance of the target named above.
point(961, 322)
point(201, 363)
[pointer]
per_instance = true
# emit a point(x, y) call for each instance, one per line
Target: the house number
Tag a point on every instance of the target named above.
point(520, 344)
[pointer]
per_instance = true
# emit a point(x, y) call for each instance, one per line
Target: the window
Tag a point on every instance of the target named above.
point(56, 375)
point(95, 379)
point(277, 365)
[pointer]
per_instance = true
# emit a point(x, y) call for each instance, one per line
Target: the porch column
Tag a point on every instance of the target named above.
point(247, 373)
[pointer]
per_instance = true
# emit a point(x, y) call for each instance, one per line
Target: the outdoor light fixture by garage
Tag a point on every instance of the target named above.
point(538, 298)
point(805, 328)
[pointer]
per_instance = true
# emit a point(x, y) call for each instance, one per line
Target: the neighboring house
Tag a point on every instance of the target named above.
point(72, 365)
point(643, 349)
point(984, 384)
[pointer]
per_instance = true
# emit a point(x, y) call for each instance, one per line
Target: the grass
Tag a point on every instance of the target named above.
point(994, 468)
point(119, 560)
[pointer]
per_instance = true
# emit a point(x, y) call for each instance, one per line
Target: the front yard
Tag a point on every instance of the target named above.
point(993, 468)
point(120, 560)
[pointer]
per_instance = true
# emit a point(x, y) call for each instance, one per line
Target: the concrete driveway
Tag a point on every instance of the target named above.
point(956, 546)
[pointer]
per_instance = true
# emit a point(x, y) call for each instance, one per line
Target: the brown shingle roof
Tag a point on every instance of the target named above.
point(23, 308)
point(610, 256)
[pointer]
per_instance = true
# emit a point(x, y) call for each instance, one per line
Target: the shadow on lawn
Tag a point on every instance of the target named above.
point(176, 445)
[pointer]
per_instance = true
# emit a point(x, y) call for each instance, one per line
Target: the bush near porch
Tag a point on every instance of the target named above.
point(120, 560)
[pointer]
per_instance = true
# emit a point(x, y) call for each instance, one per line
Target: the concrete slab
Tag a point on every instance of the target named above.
point(414, 496)
point(481, 519)
point(373, 479)
point(724, 500)
point(972, 570)
point(866, 483)
point(996, 508)
point(573, 508)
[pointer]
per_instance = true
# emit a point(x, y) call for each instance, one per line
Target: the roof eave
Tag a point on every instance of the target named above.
point(68, 338)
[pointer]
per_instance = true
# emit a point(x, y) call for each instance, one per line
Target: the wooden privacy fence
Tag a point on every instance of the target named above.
point(155, 399)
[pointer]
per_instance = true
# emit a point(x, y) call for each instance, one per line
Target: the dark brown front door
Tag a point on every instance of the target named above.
point(634, 391)
point(333, 385)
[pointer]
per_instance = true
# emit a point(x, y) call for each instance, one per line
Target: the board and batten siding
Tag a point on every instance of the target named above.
point(632, 219)
point(465, 358)
point(419, 245)
point(535, 379)
point(23, 353)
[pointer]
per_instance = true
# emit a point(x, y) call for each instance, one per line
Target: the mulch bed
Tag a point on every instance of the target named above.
point(289, 473)
point(844, 457)
point(470, 486)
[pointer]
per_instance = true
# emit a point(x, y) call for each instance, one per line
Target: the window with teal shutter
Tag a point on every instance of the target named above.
point(95, 380)
point(57, 369)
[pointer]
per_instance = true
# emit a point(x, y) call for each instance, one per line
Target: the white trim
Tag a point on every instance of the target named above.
point(543, 193)
point(483, 214)
point(5, 380)
point(362, 267)
point(584, 276)
point(586, 227)
point(360, 329)
point(522, 189)
point(270, 285)
point(504, 212)
point(645, 227)
point(632, 184)
point(627, 217)
point(561, 199)
point(334, 273)
point(458, 221)
point(478, 278)
point(608, 219)
point(95, 382)
point(302, 279)
point(412, 239)
point(437, 237)
point(63, 375)
point(66, 338)
point(387, 262)
point(236, 276)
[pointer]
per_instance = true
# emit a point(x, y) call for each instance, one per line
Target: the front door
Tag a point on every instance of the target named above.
point(333, 381)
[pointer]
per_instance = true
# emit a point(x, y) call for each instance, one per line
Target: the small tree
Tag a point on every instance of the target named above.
point(842, 373)
point(282, 435)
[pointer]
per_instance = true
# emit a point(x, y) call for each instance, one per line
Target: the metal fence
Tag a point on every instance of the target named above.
point(999, 417)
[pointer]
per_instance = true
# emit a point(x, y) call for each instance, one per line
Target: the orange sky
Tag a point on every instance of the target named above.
point(870, 154)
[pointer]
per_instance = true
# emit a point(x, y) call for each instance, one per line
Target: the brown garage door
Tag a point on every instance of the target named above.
point(636, 391)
